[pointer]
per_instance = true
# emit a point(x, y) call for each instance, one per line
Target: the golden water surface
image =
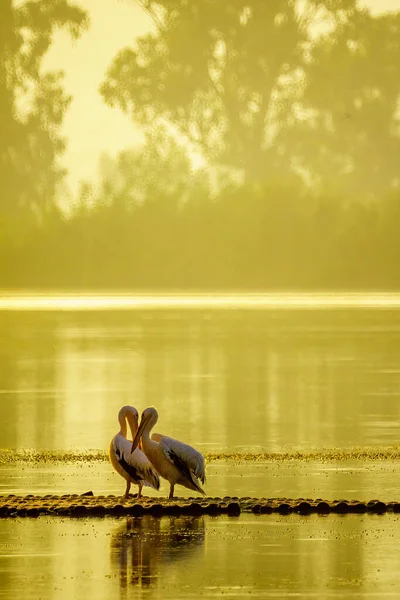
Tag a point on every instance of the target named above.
point(286, 395)
point(224, 377)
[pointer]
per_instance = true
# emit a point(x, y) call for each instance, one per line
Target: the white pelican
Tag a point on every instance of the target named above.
point(134, 467)
point(173, 460)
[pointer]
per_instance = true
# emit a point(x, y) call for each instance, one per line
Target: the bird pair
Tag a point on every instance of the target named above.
point(177, 462)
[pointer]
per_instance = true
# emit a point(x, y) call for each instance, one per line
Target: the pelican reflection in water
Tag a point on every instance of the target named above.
point(142, 545)
point(132, 466)
point(177, 462)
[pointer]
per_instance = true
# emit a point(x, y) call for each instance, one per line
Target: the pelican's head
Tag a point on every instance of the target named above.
point(147, 422)
point(131, 414)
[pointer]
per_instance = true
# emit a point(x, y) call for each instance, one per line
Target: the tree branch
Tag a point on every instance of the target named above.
point(147, 8)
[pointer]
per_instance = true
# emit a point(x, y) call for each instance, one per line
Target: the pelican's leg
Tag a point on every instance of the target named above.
point(140, 490)
point(128, 487)
point(171, 492)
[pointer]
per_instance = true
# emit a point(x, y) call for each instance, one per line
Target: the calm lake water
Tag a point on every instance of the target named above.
point(223, 377)
point(263, 557)
point(230, 374)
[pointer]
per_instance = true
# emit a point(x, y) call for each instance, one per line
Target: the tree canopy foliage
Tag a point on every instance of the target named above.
point(32, 105)
point(270, 88)
point(294, 107)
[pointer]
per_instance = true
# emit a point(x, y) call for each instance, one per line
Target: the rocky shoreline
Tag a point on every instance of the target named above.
point(88, 505)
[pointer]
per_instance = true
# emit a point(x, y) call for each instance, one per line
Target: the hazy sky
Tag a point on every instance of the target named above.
point(91, 126)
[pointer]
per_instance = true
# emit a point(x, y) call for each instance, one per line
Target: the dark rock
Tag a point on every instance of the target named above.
point(265, 509)
point(135, 510)
point(323, 508)
point(172, 509)
point(95, 511)
point(117, 510)
point(340, 508)
point(212, 509)
point(156, 510)
point(62, 511)
point(284, 508)
point(378, 508)
point(359, 508)
point(304, 508)
point(233, 509)
point(78, 510)
point(194, 508)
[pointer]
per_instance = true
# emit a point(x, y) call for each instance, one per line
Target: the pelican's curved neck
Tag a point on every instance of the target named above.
point(146, 430)
point(148, 427)
point(132, 424)
point(122, 422)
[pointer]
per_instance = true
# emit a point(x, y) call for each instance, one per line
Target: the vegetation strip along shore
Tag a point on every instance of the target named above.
point(371, 453)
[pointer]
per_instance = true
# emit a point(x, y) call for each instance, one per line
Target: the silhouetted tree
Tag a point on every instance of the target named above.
point(273, 90)
point(228, 76)
point(159, 168)
point(270, 87)
point(32, 106)
point(351, 142)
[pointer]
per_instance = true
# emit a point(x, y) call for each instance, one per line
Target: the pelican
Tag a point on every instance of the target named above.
point(173, 460)
point(134, 467)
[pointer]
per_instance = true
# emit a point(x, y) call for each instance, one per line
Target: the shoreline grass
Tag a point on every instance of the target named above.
point(368, 453)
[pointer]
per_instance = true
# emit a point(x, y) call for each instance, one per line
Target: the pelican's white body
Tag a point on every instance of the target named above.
point(193, 458)
point(134, 467)
point(177, 462)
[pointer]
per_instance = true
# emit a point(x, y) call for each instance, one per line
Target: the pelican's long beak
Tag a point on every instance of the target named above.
point(136, 429)
point(138, 435)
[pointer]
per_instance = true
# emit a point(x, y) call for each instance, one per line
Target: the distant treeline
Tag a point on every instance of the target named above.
point(293, 108)
point(260, 238)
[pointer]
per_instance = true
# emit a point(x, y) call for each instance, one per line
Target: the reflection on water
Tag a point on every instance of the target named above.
point(141, 545)
point(221, 379)
point(267, 557)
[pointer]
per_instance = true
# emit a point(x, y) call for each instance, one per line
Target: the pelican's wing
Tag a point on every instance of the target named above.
point(182, 455)
point(136, 463)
